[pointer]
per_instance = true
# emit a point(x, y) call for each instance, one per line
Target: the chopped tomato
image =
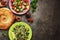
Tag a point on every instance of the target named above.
point(12, 0)
point(13, 6)
point(20, 4)
point(26, 1)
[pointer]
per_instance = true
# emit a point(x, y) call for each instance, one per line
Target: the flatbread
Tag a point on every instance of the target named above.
point(6, 18)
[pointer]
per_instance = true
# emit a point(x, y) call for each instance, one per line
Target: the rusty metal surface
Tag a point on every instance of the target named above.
point(44, 26)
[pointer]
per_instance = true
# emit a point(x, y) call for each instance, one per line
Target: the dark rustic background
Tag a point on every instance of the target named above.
point(46, 21)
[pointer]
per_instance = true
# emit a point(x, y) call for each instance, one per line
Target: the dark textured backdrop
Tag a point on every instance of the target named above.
point(46, 21)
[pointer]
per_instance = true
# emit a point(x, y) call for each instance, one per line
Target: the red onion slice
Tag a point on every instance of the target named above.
point(3, 2)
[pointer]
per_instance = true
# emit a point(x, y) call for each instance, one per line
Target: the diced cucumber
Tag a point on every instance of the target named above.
point(19, 3)
point(20, 9)
point(14, 3)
